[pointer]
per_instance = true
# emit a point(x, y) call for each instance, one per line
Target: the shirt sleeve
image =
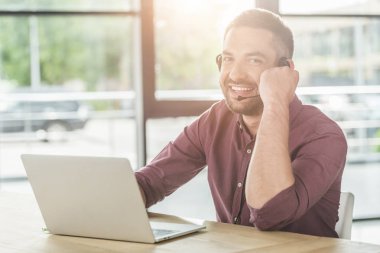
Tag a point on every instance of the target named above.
point(318, 164)
point(175, 165)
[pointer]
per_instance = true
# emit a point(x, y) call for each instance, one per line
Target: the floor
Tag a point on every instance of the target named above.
point(202, 206)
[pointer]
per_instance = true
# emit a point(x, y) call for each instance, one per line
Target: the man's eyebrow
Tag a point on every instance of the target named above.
point(225, 52)
point(256, 54)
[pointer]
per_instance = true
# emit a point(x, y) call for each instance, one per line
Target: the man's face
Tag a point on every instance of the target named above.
point(247, 52)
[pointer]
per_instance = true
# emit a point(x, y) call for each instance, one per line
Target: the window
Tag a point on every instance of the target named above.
point(188, 37)
point(67, 5)
point(67, 80)
point(334, 7)
point(79, 53)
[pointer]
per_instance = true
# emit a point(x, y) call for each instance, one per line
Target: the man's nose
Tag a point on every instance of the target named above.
point(238, 72)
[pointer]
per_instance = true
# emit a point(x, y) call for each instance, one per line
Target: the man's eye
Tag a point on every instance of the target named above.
point(227, 59)
point(255, 61)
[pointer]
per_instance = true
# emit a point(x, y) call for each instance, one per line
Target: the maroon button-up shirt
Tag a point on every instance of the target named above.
point(218, 139)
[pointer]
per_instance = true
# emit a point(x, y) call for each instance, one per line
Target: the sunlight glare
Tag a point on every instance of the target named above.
point(192, 6)
point(292, 6)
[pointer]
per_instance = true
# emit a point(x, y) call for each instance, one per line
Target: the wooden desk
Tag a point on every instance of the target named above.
point(21, 223)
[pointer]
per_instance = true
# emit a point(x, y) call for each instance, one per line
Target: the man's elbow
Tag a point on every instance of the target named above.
point(256, 201)
point(260, 221)
point(263, 225)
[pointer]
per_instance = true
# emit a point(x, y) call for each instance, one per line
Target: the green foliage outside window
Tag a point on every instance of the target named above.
point(94, 50)
point(14, 50)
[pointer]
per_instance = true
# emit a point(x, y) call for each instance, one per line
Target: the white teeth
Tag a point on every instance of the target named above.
point(237, 88)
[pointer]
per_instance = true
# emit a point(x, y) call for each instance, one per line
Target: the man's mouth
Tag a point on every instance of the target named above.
point(243, 91)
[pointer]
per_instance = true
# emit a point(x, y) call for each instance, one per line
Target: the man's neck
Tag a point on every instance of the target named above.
point(252, 123)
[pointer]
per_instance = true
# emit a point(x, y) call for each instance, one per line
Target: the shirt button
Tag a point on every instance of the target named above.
point(240, 185)
point(249, 151)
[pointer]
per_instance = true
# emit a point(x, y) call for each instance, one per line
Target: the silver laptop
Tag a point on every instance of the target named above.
point(94, 197)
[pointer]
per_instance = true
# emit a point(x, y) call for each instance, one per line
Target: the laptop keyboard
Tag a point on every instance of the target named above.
point(163, 232)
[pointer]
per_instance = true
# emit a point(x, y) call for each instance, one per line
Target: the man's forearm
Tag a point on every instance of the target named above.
point(270, 169)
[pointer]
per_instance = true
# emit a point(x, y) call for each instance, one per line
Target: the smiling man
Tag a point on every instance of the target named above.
point(273, 163)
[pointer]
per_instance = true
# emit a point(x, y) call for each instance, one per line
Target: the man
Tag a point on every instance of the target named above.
point(273, 163)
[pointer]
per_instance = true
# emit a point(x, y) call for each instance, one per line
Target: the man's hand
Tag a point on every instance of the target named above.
point(278, 85)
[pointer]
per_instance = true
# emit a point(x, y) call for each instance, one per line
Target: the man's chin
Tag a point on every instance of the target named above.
point(252, 107)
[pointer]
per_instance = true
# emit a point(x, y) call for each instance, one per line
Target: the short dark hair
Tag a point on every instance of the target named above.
point(263, 19)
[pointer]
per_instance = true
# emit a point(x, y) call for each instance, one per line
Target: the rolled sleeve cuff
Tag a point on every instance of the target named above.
point(277, 212)
point(153, 194)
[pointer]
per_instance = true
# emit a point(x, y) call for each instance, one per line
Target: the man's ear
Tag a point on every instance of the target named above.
point(291, 64)
point(283, 62)
point(286, 62)
point(219, 61)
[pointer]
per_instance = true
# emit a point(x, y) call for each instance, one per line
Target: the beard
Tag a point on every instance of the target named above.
point(250, 106)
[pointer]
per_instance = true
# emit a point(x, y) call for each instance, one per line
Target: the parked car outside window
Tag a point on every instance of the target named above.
point(50, 120)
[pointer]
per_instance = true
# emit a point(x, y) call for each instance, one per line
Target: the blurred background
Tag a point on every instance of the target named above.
point(123, 78)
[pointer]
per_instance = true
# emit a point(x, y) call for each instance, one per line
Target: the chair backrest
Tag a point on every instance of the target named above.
point(344, 224)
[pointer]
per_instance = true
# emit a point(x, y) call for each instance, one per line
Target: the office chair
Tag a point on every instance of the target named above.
point(346, 207)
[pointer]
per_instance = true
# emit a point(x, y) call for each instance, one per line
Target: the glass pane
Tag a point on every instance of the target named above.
point(83, 5)
point(188, 38)
point(337, 51)
point(330, 7)
point(79, 98)
point(77, 53)
point(14, 51)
